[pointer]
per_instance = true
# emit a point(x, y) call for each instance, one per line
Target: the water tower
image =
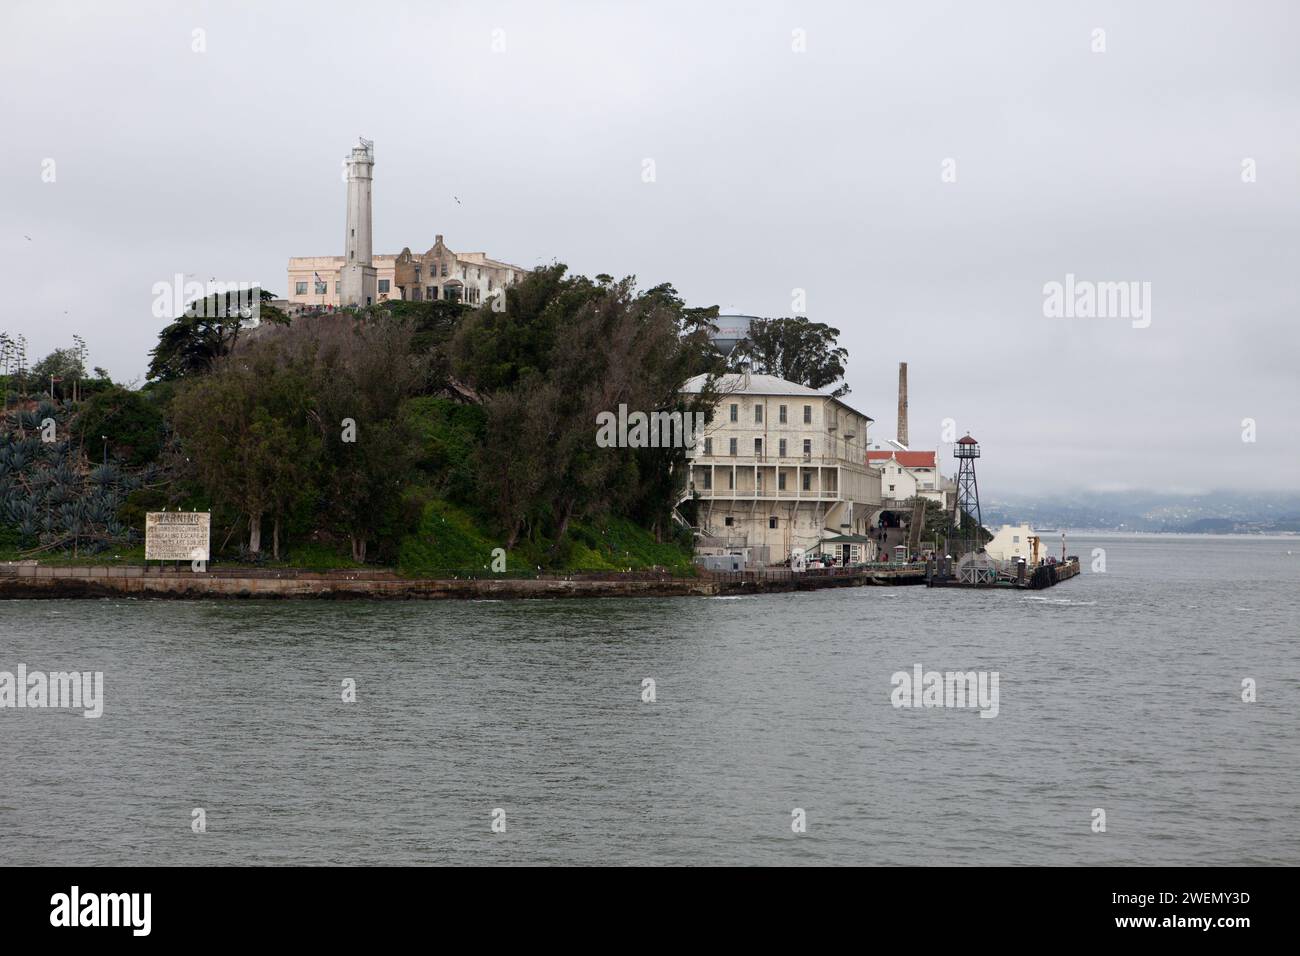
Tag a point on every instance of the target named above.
point(731, 331)
point(966, 451)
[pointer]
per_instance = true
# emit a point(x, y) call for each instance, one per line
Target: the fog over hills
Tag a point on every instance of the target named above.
point(1214, 511)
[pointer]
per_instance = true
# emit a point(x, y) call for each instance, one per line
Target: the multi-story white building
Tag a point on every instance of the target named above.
point(910, 474)
point(779, 466)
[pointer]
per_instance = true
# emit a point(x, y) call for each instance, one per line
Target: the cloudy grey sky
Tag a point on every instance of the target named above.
point(775, 170)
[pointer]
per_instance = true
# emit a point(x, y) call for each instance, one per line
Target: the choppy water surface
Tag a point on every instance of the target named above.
point(1119, 690)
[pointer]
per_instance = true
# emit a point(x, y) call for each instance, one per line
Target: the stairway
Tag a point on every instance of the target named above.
point(916, 527)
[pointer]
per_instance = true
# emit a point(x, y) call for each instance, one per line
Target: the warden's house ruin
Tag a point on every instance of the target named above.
point(780, 466)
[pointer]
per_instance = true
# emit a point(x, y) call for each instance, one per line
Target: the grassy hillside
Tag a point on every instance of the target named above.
point(449, 539)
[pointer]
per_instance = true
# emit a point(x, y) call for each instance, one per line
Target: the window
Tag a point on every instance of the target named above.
point(708, 478)
point(300, 288)
point(758, 481)
point(383, 285)
point(431, 293)
point(320, 288)
point(731, 479)
point(1015, 538)
point(758, 448)
point(807, 448)
point(758, 414)
point(771, 522)
point(807, 414)
point(708, 446)
point(338, 287)
point(444, 269)
point(891, 487)
point(781, 414)
point(780, 480)
point(735, 413)
point(732, 442)
point(780, 448)
point(728, 521)
point(807, 481)
point(417, 273)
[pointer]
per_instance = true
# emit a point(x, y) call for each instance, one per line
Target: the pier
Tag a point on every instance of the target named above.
point(978, 571)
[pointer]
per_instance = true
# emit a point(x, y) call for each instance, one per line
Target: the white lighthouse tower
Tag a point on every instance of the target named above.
point(357, 281)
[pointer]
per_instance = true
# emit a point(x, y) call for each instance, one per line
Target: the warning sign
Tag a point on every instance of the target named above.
point(177, 535)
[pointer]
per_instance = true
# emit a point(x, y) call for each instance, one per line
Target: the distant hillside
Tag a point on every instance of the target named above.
point(1216, 512)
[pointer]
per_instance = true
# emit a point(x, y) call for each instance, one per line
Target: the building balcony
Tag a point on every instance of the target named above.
point(764, 494)
point(784, 461)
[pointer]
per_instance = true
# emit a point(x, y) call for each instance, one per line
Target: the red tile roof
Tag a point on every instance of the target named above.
point(908, 459)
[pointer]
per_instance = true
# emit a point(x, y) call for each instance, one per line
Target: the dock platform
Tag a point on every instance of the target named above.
point(945, 573)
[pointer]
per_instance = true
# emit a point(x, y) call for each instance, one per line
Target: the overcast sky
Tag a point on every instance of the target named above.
point(774, 170)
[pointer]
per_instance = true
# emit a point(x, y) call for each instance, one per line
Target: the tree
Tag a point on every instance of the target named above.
point(794, 349)
point(365, 370)
point(246, 430)
point(205, 332)
point(565, 350)
point(190, 345)
point(131, 421)
point(67, 365)
point(13, 365)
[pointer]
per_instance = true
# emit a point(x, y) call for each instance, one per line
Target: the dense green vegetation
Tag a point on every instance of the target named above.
point(796, 350)
point(423, 436)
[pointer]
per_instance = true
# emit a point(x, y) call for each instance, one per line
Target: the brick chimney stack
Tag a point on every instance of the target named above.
point(901, 437)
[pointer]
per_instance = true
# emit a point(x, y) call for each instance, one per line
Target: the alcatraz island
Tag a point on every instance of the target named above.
point(450, 425)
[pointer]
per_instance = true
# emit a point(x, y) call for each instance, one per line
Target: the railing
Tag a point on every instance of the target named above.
point(744, 494)
point(709, 540)
point(798, 458)
point(785, 574)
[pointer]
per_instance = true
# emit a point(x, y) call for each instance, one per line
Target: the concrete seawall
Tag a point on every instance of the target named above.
point(36, 581)
point(33, 581)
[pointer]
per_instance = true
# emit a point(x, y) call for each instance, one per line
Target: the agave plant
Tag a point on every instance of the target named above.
point(104, 475)
point(49, 492)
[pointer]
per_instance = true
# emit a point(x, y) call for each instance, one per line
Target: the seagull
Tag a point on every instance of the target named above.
point(29, 238)
point(457, 198)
